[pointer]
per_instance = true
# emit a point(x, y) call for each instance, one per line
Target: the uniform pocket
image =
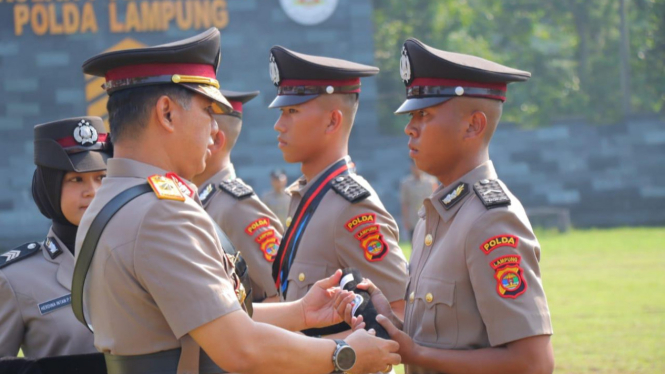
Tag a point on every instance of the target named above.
point(302, 276)
point(439, 322)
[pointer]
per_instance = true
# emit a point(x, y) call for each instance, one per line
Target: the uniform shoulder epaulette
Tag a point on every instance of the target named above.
point(19, 253)
point(491, 193)
point(165, 188)
point(237, 188)
point(350, 189)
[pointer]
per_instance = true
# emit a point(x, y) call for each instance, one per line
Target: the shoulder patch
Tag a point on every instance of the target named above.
point(455, 196)
point(237, 188)
point(182, 186)
point(52, 247)
point(360, 220)
point(504, 240)
point(19, 253)
point(375, 247)
point(491, 193)
point(350, 189)
point(510, 282)
point(165, 188)
point(207, 192)
point(255, 225)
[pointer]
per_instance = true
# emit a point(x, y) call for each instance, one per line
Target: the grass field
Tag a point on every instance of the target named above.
point(606, 292)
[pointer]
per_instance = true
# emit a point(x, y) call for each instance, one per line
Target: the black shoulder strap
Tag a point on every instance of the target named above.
point(87, 250)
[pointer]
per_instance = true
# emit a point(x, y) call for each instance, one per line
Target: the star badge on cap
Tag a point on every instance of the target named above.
point(405, 66)
point(84, 133)
point(274, 70)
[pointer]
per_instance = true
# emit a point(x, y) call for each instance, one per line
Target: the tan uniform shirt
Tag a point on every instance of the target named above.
point(412, 193)
point(35, 305)
point(253, 229)
point(474, 274)
point(331, 242)
point(278, 203)
point(159, 270)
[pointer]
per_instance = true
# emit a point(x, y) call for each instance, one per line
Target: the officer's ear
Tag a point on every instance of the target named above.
point(477, 123)
point(336, 118)
point(219, 141)
point(164, 113)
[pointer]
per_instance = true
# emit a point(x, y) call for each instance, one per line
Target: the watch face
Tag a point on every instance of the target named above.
point(346, 357)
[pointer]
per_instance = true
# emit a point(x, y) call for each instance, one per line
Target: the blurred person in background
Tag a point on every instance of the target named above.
point(277, 199)
point(413, 190)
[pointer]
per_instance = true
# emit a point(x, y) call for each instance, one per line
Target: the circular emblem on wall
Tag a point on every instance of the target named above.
point(274, 71)
point(309, 12)
point(84, 133)
point(405, 66)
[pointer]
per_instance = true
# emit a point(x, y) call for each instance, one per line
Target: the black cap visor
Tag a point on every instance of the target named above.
point(421, 103)
point(289, 100)
point(224, 107)
point(84, 162)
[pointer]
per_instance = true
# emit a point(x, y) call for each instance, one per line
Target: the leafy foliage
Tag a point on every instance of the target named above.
point(572, 48)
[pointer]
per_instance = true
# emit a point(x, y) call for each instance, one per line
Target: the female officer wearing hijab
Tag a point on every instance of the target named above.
point(36, 277)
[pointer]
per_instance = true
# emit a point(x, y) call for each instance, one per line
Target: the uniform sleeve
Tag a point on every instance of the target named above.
point(366, 238)
point(502, 255)
point(11, 322)
point(256, 232)
point(179, 261)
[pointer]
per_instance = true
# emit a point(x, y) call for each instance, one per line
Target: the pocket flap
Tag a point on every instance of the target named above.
point(305, 274)
point(436, 291)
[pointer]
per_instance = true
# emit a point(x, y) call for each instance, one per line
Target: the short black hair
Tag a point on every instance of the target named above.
point(129, 109)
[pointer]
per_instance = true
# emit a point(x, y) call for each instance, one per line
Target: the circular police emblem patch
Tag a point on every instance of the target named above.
point(84, 133)
point(375, 247)
point(405, 66)
point(272, 249)
point(510, 281)
point(274, 71)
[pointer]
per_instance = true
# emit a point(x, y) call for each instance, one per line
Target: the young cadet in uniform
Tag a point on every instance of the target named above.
point(277, 199)
point(336, 220)
point(251, 226)
point(475, 299)
point(159, 284)
point(35, 278)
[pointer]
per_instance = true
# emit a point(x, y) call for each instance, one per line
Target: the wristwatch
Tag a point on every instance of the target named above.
point(344, 357)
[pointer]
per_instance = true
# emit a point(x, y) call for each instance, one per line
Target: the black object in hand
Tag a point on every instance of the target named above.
point(362, 303)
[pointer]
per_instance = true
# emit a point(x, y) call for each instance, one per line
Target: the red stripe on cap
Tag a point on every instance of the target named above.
point(323, 82)
point(155, 70)
point(455, 83)
point(71, 142)
point(236, 105)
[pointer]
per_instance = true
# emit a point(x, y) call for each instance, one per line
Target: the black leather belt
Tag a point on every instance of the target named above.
point(165, 362)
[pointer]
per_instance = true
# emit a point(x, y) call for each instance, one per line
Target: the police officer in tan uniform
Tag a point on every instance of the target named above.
point(413, 189)
point(475, 299)
point(336, 220)
point(277, 199)
point(159, 284)
point(251, 226)
point(35, 278)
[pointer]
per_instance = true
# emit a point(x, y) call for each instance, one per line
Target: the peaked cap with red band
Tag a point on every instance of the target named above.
point(191, 63)
point(300, 77)
point(78, 144)
point(433, 76)
point(238, 99)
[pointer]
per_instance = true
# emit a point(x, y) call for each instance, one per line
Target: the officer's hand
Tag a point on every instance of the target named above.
point(318, 304)
point(407, 347)
point(372, 354)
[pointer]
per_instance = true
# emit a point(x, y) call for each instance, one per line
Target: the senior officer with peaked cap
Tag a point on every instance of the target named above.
point(475, 300)
point(336, 219)
point(251, 226)
point(159, 284)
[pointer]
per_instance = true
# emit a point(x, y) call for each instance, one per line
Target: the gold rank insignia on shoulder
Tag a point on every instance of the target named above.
point(165, 188)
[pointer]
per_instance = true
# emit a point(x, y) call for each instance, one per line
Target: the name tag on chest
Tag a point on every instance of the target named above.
point(51, 305)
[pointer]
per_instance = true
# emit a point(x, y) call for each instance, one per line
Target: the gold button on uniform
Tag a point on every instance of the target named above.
point(429, 297)
point(428, 240)
point(288, 221)
point(412, 297)
point(301, 277)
